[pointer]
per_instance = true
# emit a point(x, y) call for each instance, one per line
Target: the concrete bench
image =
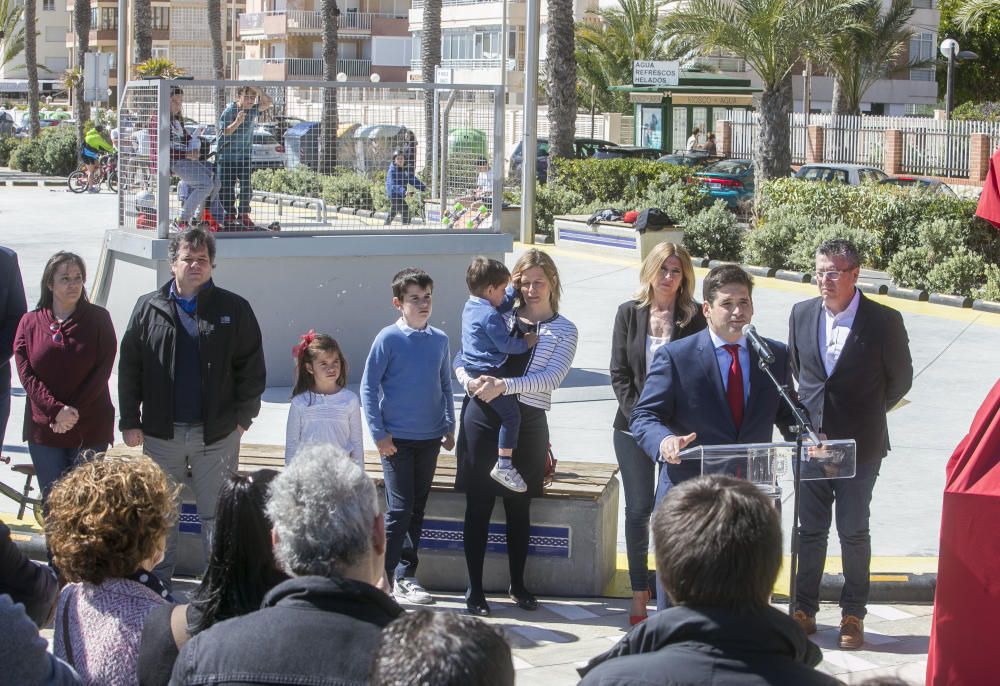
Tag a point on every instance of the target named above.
point(574, 529)
point(611, 238)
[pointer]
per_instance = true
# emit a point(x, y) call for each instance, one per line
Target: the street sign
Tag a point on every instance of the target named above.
point(444, 75)
point(655, 73)
point(96, 73)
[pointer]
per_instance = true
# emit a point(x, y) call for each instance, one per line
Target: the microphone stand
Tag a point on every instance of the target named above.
point(802, 428)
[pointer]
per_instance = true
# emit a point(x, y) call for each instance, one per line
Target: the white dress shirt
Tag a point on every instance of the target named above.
point(834, 330)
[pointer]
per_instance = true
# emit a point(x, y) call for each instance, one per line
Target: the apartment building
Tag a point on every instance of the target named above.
point(180, 34)
point(471, 43)
point(283, 40)
point(52, 24)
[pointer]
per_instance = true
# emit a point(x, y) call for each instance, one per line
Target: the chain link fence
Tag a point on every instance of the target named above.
point(252, 156)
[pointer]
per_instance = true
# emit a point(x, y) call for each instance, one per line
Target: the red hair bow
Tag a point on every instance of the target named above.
point(307, 338)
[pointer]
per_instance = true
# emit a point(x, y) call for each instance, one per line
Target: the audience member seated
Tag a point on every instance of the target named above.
point(444, 649)
point(241, 570)
point(718, 551)
point(322, 626)
point(24, 653)
point(107, 526)
point(32, 584)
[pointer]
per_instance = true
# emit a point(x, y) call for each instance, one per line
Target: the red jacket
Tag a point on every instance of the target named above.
point(73, 372)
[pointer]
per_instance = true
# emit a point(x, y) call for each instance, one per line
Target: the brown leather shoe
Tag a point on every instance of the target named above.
point(852, 633)
point(807, 623)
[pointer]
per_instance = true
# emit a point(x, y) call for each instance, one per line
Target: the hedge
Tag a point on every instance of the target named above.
point(53, 153)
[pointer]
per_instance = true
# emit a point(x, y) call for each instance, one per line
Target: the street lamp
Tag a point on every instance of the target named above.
point(951, 52)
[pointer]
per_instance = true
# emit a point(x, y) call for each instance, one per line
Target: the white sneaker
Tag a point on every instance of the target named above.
point(509, 477)
point(408, 590)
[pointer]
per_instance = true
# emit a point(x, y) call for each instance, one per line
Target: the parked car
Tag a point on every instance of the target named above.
point(612, 152)
point(687, 159)
point(852, 174)
point(919, 184)
point(729, 180)
point(267, 152)
point(583, 148)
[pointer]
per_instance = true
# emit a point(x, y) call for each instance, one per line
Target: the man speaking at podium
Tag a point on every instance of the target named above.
point(708, 389)
point(851, 357)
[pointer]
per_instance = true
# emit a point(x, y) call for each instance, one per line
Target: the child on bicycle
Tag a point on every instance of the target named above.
point(95, 144)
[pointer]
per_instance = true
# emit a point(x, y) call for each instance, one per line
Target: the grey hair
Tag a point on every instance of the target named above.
point(323, 508)
point(840, 247)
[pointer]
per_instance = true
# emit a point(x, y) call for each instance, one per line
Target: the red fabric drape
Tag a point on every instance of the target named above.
point(967, 601)
point(989, 201)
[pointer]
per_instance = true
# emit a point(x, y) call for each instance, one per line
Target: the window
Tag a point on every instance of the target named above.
point(922, 48)
point(161, 18)
point(48, 5)
point(161, 52)
point(922, 4)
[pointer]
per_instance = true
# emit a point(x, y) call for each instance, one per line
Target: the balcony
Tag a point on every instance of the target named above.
point(488, 64)
point(418, 4)
point(282, 24)
point(299, 69)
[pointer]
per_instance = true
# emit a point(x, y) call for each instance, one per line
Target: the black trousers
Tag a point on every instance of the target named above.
point(398, 206)
point(478, 510)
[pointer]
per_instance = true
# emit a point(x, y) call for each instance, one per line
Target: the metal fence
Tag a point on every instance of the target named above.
point(309, 157)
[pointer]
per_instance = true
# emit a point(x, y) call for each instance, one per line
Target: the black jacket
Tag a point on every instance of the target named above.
point(873, 373)
point(628, 353)
point(12, 304)
point(32, 584)
point(683, 646)
point(232, 364)
point(310, 630)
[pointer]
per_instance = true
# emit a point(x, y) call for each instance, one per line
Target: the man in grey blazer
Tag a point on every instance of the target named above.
point(851, 358)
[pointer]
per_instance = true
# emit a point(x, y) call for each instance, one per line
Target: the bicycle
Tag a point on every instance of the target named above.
point(23, 497)
point(106, 172)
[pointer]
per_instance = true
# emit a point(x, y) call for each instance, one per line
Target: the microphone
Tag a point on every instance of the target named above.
point(758, 343)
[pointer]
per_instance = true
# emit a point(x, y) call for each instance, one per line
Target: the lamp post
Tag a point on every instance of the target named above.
point(123, 52)
point(950, 51)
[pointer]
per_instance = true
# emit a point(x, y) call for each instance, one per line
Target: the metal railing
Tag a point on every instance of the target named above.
point(418, 4)
point(255, 24)
point(481, 63)
point(298, 67)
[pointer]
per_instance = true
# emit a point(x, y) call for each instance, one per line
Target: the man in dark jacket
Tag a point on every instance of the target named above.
point(718, 551)
point(190, 377)
point(32, 584)
point(12, 307)
point(397, 179)
point(322, 626)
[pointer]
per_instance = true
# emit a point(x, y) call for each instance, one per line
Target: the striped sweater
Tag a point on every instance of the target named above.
point(551, 359)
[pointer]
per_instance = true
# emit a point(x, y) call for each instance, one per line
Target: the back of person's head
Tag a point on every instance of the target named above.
point(305, 354)
point(884, 681)
point(109, 515)
point(323, 508)
point(411, 276)
point(722, 276)
point(484, 272)
point(49, 276)
point(718, 544)
point(443, 649)
point(241, 567)
point(194, 238)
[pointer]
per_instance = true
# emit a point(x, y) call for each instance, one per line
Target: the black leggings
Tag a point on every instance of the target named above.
point(478, 509)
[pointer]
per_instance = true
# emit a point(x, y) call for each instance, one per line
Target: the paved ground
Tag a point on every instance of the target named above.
point(954, 362)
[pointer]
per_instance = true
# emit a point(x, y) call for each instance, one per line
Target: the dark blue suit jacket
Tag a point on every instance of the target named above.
point(684, 394)
point(12, 304)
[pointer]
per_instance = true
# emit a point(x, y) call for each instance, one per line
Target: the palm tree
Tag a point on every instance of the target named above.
point(143, 28)
point(560, 63)
point(11, 31)
point(30, 40)
point(430, 59)
point(771, 36)
point(329, 119)
point(81, 26)
point(605, 50)
point(218, 62)
point(973, 12)
point(868, 49)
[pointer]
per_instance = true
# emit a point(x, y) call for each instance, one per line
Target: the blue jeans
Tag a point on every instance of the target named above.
point(638, 475)
point(816, 503)
point(231, 172)
point(52, 463)
point(408, 477)
point(202, 185)
point(4, 399)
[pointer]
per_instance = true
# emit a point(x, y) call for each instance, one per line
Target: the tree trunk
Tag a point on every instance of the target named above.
point(561, 68)
point(839, 105)
point(218, 61)
point(772, 156)
point(81, 108)
point(329, 122)
point(31, 65)
point(143, 28)
point(430, 57)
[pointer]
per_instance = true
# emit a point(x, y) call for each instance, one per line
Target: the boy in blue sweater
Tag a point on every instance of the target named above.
point(396, 181)
point(406, 394)
point(486, 343)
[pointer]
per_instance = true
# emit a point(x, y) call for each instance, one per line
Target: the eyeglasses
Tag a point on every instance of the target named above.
point(57, 334)
point(832, 275)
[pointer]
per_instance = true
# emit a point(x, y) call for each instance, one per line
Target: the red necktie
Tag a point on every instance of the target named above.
point(734, 389)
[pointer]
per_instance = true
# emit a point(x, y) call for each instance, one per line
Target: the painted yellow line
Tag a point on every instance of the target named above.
point(889, 577)
point(958, 314)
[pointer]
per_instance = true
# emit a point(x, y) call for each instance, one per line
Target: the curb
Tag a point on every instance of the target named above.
point(885, 588)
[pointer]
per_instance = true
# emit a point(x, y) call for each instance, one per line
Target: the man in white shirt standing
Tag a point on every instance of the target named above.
point(851, 358)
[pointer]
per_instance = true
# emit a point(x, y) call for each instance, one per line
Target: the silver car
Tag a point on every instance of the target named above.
point(851, 174)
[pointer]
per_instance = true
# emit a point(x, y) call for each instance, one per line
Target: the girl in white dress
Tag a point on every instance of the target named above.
point(322, 409)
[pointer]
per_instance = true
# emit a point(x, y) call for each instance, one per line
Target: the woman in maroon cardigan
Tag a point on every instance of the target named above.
point(64, 350)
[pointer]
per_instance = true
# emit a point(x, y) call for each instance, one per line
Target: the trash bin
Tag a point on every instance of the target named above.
point(374, 145)
point(302, 145)
point(468, 142)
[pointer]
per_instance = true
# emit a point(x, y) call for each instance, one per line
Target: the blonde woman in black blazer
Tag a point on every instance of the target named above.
point(663, 310)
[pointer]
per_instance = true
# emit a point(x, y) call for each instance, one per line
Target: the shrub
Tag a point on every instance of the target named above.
point(961, 273)
point(552, 199)
point(53, 153)
point(617, 182)
point(803, 255)
point(349, 189)
point(7, 145)
point(770, 244)
point(713, 233)
point(679, 200)
point(298, 181)
point(991, 290)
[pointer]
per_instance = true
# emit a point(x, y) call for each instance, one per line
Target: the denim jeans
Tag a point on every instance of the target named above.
point(231, 172)
point(398, 206)
point(638, 475)
point(816, 504)
point(52, 463)
point(202, 184)
point(408, 477)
